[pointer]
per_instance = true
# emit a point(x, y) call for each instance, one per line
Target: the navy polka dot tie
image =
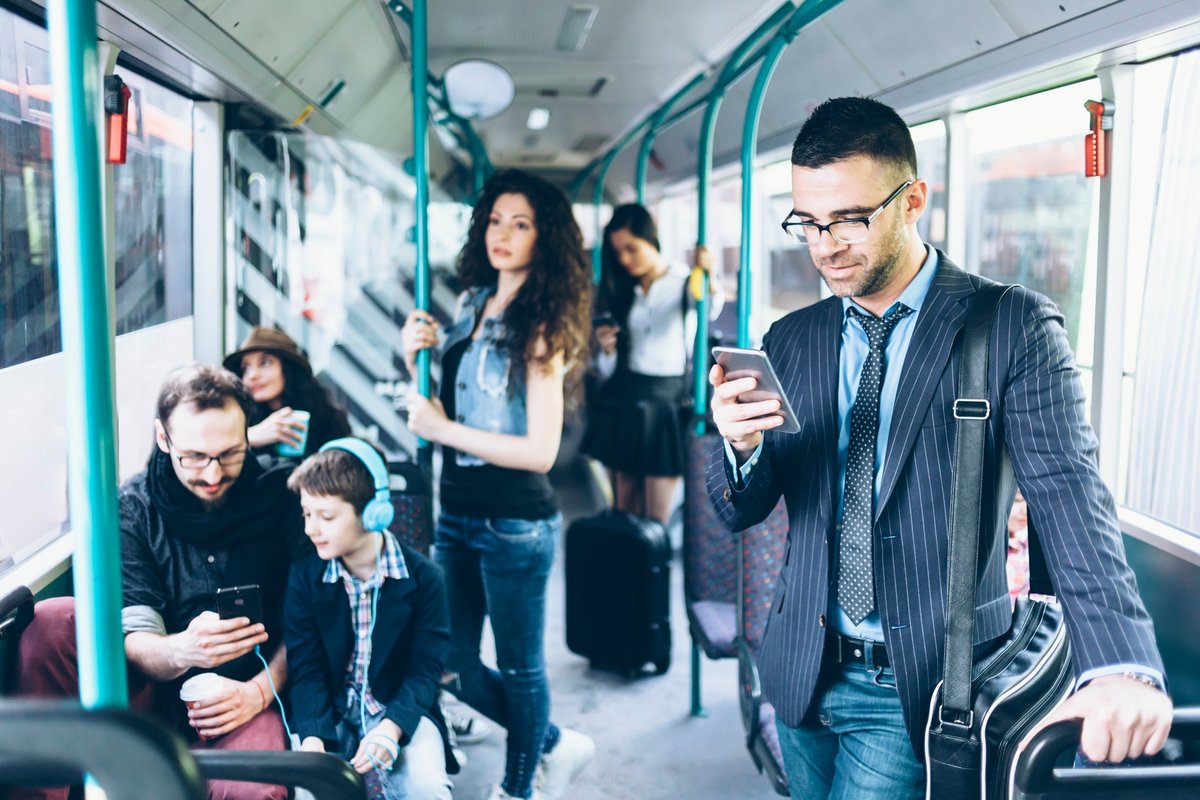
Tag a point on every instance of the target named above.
point(856, 578)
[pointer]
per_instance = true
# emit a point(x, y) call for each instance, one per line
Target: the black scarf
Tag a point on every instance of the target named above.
point(250, 509)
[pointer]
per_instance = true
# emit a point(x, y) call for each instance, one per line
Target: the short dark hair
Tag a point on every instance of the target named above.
point(846, 127)
point(335, 473)
point(203, 385)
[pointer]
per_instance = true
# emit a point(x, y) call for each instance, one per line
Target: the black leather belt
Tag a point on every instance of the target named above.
point(846, 650)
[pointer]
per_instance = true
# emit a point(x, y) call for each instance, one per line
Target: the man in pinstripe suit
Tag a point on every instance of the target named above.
point(853, 646)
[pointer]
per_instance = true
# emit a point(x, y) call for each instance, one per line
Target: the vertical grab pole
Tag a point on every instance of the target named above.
point(420, 101)
point(652, 130)
point(597, 199)
point(749, 151)
point(700, 355)
point(84, 301)
point(708, 129)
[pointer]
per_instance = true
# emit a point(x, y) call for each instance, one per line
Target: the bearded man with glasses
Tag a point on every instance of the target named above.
point(201, 516)
point(854, 644)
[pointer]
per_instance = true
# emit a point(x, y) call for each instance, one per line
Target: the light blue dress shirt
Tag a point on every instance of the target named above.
point(855, 348)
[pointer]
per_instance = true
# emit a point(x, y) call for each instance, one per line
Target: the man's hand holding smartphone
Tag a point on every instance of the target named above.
point(740, 423)
point(210, 641)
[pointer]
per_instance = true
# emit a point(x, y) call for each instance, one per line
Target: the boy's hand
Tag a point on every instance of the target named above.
point(313, 744)
point(371, 746)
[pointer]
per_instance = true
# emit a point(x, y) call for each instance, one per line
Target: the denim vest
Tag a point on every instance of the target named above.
point(489, 389)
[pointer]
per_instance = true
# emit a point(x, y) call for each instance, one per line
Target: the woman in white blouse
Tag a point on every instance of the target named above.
point(643, 338)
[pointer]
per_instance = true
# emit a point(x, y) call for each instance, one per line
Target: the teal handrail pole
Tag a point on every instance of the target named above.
point(652, 131)
point(83, 293)
point(749, 150)
point(700, 355)
point(774, 51)
point(597, 199)
point(708, 129)
point(420, 105)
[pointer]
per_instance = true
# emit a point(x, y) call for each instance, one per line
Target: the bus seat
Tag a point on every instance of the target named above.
point(16, 612)
point(709, 567)
point(760, 557)
point(54, 743)
point(105, 742)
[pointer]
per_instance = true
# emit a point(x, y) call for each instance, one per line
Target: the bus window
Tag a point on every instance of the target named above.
point(1031, 214)
point(1160, 459)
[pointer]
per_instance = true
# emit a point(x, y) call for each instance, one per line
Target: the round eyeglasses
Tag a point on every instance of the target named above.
point(853, 230)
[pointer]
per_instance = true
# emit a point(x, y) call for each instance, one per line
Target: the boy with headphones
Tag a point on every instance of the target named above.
point(366, 627)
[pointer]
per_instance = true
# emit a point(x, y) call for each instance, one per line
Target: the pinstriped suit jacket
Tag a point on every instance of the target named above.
point(1038, 421)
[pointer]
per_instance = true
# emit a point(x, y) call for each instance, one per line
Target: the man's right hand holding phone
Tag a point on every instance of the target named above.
point(210, 641)
point(741, 423)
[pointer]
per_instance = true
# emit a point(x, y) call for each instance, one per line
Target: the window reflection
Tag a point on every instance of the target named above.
point(152, 213)
point(1030, 211)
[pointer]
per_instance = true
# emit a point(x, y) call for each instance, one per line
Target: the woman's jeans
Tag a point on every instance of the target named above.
point(498, 567)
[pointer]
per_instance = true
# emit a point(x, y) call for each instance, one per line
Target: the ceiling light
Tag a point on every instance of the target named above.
point(478, 89)
point(576, 27)
point(539, 118)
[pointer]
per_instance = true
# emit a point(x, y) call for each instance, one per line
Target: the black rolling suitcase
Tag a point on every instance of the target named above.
point(618, 573)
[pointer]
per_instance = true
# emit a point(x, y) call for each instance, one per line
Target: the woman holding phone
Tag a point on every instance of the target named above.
point(519, 336)
point(643, 351)
point(293, 414)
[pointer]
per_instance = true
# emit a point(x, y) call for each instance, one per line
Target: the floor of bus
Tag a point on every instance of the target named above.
point(647, 745)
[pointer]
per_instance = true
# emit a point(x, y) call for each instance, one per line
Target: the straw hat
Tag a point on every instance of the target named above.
point(272, 341)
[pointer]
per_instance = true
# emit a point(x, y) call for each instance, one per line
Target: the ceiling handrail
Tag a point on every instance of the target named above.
point(772, 52)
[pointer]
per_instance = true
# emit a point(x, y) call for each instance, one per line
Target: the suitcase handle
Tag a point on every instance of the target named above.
point(1036, 774)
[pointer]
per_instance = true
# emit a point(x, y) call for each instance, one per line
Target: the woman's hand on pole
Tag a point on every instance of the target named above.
point(419, 333)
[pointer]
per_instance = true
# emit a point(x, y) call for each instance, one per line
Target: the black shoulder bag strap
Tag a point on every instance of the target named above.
point(972, 410)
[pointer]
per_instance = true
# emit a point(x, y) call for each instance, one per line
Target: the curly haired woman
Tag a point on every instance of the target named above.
point(518, 340)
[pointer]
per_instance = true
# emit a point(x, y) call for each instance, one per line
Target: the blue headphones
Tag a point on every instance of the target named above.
point(378, 513)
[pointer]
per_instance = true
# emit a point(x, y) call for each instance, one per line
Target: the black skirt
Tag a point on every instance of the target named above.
point(636, 426)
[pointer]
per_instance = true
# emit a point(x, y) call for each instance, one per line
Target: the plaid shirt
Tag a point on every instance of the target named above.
point(360, 592)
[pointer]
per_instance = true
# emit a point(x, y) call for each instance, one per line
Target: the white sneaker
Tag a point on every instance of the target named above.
point(560, 766)
point(500, 794)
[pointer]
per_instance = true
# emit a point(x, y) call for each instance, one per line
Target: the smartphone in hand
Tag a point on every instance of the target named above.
point(739, 362)
point(240, 601)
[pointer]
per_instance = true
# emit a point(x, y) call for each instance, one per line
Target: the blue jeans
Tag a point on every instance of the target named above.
point(419, 772)
point(498, 568)
point(853, 742)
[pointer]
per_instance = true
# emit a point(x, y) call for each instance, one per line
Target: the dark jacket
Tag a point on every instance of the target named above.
point(409, 643)
point(1038, 420)
point(175, 567)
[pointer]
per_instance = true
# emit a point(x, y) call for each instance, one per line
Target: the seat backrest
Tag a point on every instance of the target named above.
point(762, 549)
point(412, 500)
point(709, 548)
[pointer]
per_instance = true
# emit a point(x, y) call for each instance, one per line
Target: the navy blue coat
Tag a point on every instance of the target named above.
point(409, 643)
point(1038, 420)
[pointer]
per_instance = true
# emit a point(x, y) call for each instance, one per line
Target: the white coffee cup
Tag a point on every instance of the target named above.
point(200, 687)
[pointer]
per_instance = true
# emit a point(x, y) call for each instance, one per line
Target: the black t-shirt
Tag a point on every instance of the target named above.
point(487, 490)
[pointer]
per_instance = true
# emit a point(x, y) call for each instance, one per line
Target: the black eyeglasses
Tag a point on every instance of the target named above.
point(854, 230)
point(201, 461)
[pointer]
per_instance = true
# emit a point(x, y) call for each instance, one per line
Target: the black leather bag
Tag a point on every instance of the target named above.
point(980, 712)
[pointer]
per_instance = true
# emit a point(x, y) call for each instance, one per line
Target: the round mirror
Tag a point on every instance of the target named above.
point(478, 89)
